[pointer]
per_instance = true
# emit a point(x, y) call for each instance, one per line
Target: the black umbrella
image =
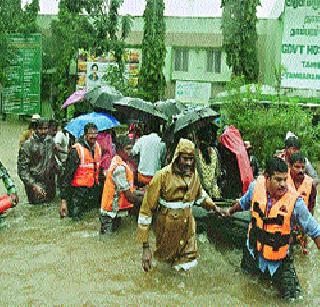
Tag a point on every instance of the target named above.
point(195, 117)
point(138, 109)
point(103, 97)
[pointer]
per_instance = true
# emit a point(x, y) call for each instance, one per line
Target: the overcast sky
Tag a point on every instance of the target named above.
point(268, 8)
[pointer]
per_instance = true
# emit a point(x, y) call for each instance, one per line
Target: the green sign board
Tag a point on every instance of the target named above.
point(22, 92)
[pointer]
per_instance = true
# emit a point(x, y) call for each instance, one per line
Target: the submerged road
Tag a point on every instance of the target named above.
point(48, 261)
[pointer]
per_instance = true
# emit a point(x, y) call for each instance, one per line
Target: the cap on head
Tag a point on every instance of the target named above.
point(35, 117)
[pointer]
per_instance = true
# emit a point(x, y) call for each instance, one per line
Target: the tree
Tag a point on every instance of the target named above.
point(239, 29)
point(266, 125)
point(152, 80)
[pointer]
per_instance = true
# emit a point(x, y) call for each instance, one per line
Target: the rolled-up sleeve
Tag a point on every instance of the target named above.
point(305, 219)
point(245, 200)
point(150, 202)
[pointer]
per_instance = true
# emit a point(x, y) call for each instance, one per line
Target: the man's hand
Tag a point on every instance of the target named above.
point(63, 208)
point(14, 199)
point(40, 192)
point(146, 259)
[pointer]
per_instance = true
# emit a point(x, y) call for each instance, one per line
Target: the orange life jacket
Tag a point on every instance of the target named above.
point(88, 171)
point(269, 233)
point(305, 188)
point(109, 189)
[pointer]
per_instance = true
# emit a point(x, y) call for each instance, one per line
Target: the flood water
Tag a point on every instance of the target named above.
point(48, 261)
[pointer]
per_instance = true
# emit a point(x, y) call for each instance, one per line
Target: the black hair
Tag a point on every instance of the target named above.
point(297, 157)
point(275, 164)
point(42, 122)
point(89, 126)
point(95, 65)
point(292, 142)
point(52, 123)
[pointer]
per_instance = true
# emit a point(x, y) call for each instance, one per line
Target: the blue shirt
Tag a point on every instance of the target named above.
point(301, 215)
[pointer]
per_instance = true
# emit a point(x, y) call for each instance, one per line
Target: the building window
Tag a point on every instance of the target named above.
point(214, 61)
point(181, 59)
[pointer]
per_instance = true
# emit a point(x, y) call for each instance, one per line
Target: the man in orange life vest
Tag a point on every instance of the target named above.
point(275, 207)
point(83, 177)
point(305, 186)
point(118, 193)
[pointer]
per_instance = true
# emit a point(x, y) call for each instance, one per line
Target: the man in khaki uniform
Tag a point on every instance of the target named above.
point(173, 191)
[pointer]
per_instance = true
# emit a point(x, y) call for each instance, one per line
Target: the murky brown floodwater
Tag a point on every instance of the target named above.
point(48, 261)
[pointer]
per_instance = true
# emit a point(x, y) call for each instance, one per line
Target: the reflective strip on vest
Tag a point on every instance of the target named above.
point(175, 205)
point(86, 174)
point(144, 220)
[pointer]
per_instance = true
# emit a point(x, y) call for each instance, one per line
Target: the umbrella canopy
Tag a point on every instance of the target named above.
point(170, 107)
point(197, 117)
point(103, 97)
point(138, 109)
point(103, 121)
point(75, 97)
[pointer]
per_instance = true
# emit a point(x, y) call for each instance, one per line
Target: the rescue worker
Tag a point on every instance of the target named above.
point(27, 134)
point(36, 165)
point(83, 178)
point(306, 188)
point(9, 185)
point(293, 145)
point(275, 207)
point(118, 193)
point(173, 191)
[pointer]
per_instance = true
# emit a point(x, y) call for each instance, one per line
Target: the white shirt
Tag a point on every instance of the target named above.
point(151, 150)
point(62, 140)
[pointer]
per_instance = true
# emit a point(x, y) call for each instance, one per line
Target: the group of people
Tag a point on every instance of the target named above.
point(281, 199)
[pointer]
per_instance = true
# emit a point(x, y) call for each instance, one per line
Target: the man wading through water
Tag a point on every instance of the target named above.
point(275, 208)
point(173, 191)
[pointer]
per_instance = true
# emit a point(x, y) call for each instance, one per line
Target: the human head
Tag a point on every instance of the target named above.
point(124, 147)
point(90, 133)
point(52, 127)
point(292, 145)
point(297, 165)
point(34, 121)
point(276, 173)
point(42, 128)
point(184, 157)
point(64, 122)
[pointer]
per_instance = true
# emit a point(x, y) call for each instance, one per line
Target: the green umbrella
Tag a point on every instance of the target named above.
point(103, 97)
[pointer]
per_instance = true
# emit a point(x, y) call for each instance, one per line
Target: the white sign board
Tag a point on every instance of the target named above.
point(300, 50)
point(193, 92)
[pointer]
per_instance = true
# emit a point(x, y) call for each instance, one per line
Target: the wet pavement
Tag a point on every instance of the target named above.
point(48, 261)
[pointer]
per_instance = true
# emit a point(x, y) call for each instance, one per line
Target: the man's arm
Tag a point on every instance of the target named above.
point(312, 198)
point(24, 163)
point(309, 170)
point(243, 204)
point(72, 164)
point(149, 203)
point(307, 221)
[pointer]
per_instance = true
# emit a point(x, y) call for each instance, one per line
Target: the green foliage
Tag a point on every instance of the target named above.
point(239, 21)
point(266, 126)
point(99, 32)
point(152, 81)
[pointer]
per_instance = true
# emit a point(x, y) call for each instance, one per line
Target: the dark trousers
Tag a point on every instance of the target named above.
point(83, 199)
point(285, 278)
